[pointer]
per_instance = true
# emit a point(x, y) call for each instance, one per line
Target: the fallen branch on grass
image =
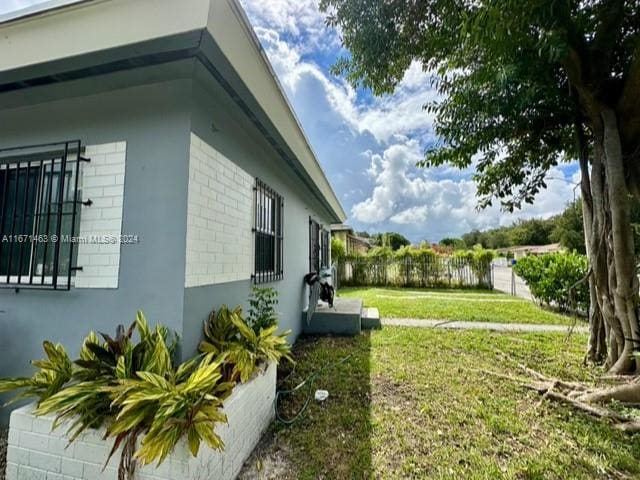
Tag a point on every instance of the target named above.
point(585, 398)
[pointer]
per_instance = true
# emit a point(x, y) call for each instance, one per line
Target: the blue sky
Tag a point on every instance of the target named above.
point(369, 146)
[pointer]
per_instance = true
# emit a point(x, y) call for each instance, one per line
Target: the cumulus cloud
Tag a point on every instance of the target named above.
point(382, 117)
point(424, 207)
point(299, 20)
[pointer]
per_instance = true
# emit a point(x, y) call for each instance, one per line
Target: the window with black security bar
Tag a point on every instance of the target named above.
point(314, 245)
point(268, 234)
point(325, 249)
point(40, 200)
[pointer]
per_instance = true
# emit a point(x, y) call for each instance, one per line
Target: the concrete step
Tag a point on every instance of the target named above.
point(370, 318)
point(342, 319)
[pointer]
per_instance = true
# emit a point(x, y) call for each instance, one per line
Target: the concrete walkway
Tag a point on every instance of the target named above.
point(498, 327)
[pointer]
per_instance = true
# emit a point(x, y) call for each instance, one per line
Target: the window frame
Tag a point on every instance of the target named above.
point(325, 248)
point(314, 246)
point(268, 234)
point(57, 167)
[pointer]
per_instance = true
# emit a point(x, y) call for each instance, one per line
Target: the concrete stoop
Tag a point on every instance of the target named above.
point(347, 317)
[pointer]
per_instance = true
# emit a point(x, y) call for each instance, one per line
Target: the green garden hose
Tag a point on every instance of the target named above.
point(307, 381)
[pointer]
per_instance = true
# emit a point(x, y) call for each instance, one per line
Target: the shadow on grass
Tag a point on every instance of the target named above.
point(330, 439)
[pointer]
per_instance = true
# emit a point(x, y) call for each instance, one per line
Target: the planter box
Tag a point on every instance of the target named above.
point(37, 453)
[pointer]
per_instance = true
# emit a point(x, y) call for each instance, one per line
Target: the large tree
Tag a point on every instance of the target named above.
point(526, 84)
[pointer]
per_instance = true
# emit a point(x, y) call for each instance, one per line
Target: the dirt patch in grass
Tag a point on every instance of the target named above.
point(414, 403)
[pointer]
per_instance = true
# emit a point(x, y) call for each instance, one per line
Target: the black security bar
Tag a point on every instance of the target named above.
point(268, 234)
point(39, 214)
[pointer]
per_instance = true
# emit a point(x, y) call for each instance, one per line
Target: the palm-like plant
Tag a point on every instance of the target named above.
point(170, 406)
point(228, 332)
point(137, 391)
point(53, 373)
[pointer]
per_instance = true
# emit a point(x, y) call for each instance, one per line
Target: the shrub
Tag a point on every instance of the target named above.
point(338, 250)
point(262, 308)
point(226, 333)
point(550, 279)
point(138, 390)
point(479, 259)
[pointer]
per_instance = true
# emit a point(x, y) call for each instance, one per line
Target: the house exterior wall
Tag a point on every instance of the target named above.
point(219, 218)
point(164, 129)
point(103, 184)
point(238, 140)
point(153, 120)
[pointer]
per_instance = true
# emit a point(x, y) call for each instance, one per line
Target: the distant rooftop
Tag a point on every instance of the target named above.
point(550, 248)
point(340, 227)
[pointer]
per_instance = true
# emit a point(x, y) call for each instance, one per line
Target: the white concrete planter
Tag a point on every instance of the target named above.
point(37, 453)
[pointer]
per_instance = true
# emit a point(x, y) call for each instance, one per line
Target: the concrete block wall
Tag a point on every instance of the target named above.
point(36, 453)
point(219, 218)
point(101, 222)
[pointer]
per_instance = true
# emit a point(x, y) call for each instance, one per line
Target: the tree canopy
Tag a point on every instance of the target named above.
point(393, 240)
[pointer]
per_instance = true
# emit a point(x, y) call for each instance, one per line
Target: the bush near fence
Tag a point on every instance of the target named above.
point(417, 267)
point(557, 279)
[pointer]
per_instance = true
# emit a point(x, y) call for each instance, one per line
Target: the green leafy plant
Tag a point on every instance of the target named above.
point(227, 332)
point(556, 279)
point(262, 308)
point(338, 250)
point(168, 405)
point(53, 373)
point(137, 391)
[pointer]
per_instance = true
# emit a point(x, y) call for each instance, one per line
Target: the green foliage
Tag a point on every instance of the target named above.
point(53, 373)
point(480, 260)
point(454, 243)
point(262, 308)
point(557, 279)
point(86, 399)
point(137, 389)
point(226, 332)
point(393, 240)
point(523, 232)
point(338, 250)
point(568, 230)
point(502, 69)
point(380, 253)
point(170, 405)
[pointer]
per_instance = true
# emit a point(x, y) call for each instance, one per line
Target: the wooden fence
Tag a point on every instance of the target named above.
point(439, 272)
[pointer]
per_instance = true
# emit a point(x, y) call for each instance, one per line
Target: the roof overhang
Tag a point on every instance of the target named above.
point(70, 40)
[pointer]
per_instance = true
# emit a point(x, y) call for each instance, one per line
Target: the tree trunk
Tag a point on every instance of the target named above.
point(599, 253)
point(597, 345)
point(624, 281)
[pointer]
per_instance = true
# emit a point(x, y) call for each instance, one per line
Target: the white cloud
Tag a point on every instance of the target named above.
point(382, 117)
point(300, 19)
point(427, 207)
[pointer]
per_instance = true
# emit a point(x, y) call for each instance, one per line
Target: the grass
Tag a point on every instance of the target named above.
point(414, 403)
point(467, 305)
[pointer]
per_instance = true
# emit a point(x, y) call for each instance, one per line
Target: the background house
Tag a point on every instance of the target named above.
point(524, 250)
point(171, 130)
point(353, 243)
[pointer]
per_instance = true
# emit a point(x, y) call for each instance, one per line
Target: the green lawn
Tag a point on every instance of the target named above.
point(469, 305)
point(413, 403)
